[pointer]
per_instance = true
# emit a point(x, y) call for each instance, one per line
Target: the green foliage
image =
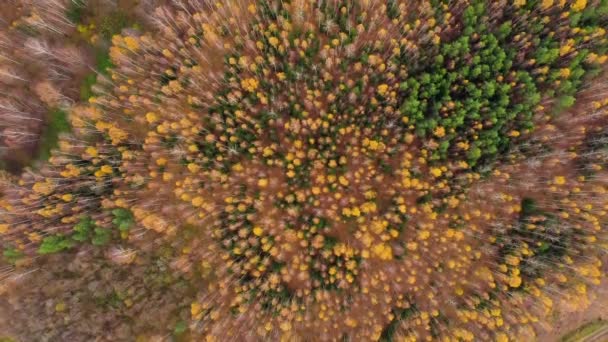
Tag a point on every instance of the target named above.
point(102, 58)
point(86, 90)
point(83, 229)
point(103, 63)
point(474, 154)
point(123, 219)
point(101, 236)
point(392, 9)
point(76, 11)
point(483, 76)
point(565, 102)
point(12, 255)
point(57, 124)
point(528, 207)
point(469, 82)
point(180, 328)
point(87, 230)
point(55, 244)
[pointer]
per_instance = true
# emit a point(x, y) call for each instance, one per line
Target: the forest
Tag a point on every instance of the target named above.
point(294, 170)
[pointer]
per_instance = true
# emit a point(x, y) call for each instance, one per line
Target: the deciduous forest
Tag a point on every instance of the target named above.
point(303, 170)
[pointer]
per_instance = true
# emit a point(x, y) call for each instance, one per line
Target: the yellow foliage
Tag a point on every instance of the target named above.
point(579, 5)
point(151, 117)
point(132, 43)
point(383, 251)
point(436, 172)
point(274, 41)
point(439, 132)
point(91, 151)
point(546, 4)
point(382, 89)
point(250, 84)
point(117, 135)
point(43, 188)
point(515, 281)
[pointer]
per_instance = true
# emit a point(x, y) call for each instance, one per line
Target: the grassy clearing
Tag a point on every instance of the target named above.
point(583, 331)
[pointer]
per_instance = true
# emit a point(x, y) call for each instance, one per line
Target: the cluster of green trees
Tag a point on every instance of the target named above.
point(485, 76)
point(84, 231)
